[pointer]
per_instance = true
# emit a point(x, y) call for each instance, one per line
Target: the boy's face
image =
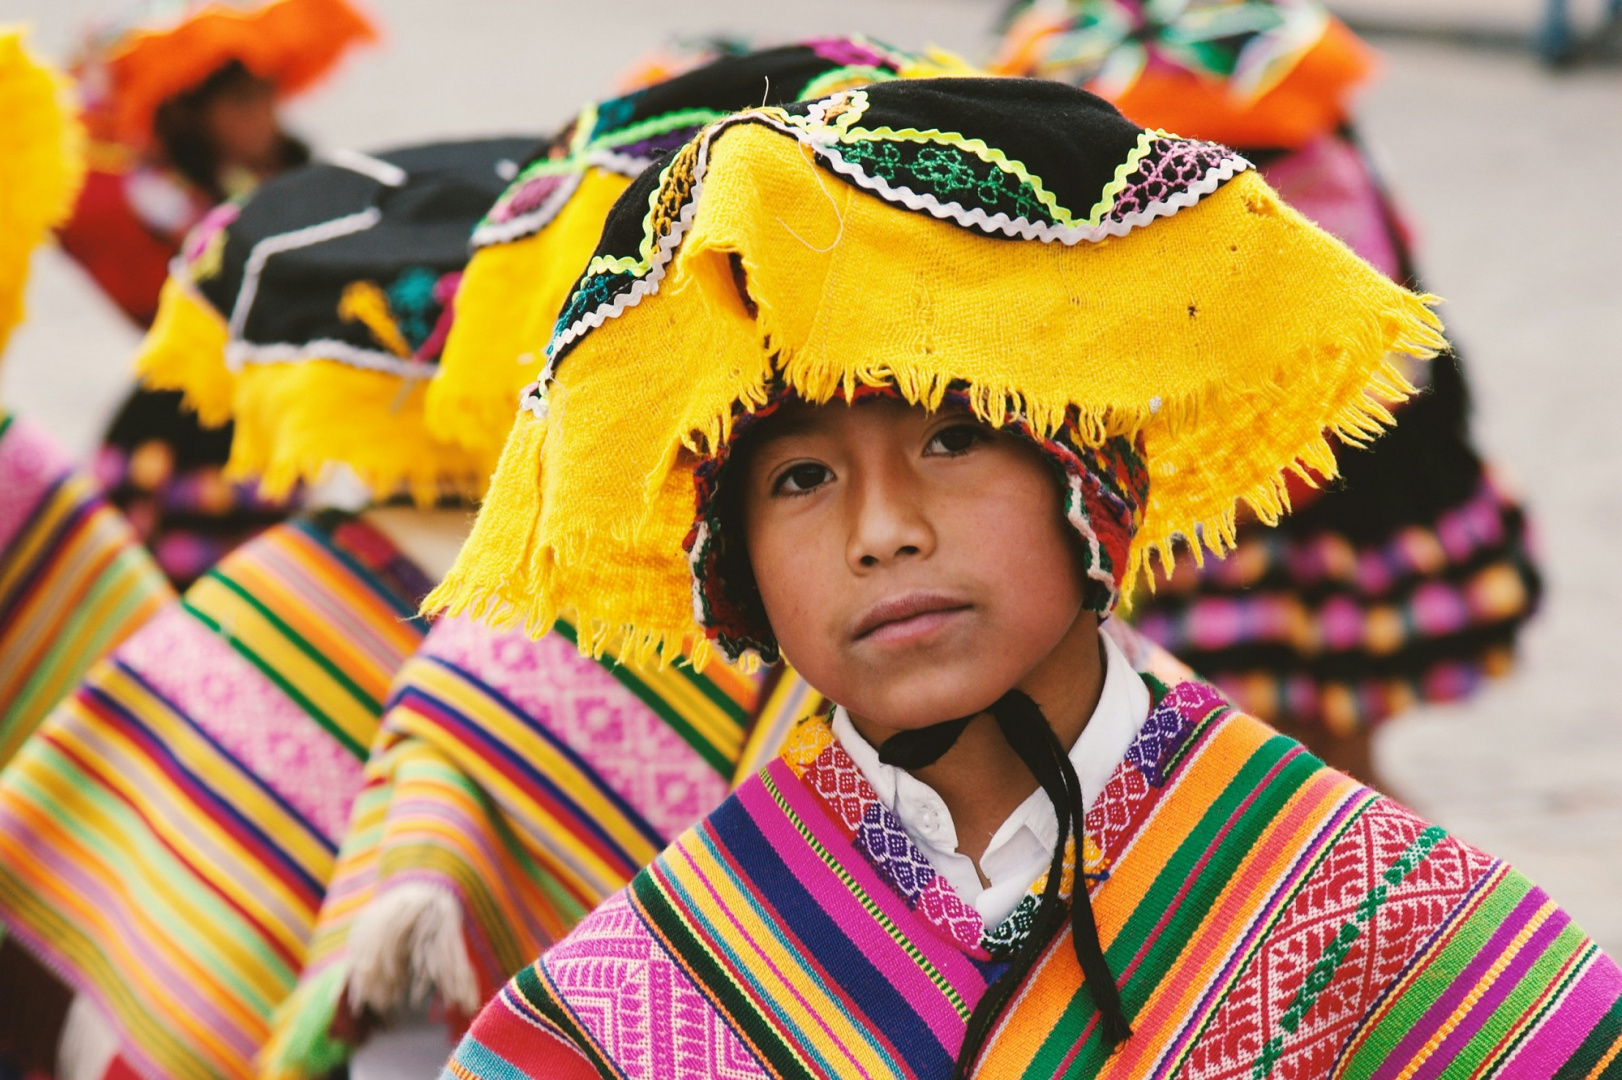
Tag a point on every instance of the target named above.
point(914, 566)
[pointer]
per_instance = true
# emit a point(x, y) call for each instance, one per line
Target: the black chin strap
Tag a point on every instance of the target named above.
point(1032, 738)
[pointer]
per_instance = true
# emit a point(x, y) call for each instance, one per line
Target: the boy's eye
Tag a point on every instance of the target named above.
point(800, 479)
point(957, 439)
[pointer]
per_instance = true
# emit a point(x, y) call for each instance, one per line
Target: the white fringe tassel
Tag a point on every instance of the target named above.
point(88, 1043)
point(406, 946)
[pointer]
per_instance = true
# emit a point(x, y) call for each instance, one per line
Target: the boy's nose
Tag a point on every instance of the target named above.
point(888, 523)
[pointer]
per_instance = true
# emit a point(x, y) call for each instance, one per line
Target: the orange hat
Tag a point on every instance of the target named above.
point(1251, 73)
point(136, 62)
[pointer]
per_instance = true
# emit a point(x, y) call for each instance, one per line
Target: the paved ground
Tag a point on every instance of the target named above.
point(1510, 171)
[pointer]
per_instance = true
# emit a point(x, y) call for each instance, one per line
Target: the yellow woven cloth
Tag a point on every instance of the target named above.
point(295, 420)
point(505, 309)
point(41, 165)
point(531, 247)
point(1227, 337)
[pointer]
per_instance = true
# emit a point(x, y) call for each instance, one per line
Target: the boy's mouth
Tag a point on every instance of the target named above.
point(908, 617)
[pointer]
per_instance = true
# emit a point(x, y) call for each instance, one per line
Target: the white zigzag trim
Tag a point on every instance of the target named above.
point(624, 164)
point(528, 224)
point(826, 147)
point(241, 353)
point(643, 287)
point(1077, 515)
point(1022, 228)
point(532, 399)
point(701, 539)
point(535, 220)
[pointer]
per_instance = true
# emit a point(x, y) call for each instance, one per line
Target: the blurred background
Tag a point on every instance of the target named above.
point(1508, 165)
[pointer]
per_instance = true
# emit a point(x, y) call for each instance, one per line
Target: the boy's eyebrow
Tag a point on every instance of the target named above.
point(785, 424)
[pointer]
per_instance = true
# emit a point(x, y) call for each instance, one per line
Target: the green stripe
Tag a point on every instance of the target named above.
point(1553, 1000)
point(1606, 1034)
point(1465, 940)
point(1517, 1003)
point(332, 670)
point(657, 125)
point(723, 701)
point(705, 749)
point(1203, 891)
point(137, 859)
point(540, 996)
point(79, 643)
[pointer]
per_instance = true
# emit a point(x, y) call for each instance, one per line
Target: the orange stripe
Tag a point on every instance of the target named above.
point(1199, 782)
point(1286, 838)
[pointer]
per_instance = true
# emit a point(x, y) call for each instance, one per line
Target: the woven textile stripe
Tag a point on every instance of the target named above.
point(529, 781)
point(166, 838)
point(703, 708)
point(1267, 917)
point(74, 581)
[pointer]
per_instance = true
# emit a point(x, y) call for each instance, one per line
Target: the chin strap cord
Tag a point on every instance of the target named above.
point(1031, 736)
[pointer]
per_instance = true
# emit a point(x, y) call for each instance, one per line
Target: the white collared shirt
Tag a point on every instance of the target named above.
point(1022, 847)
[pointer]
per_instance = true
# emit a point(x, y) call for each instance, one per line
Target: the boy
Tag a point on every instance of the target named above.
point(939, 363)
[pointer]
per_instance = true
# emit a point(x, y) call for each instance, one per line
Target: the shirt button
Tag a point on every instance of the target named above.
point(929, 822)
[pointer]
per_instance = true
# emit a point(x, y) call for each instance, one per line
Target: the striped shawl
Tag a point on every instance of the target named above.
point(523, 782)
point(1267, 917)
point(74, 580)
point(167, 834)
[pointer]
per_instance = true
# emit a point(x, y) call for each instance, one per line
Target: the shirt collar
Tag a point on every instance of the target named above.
point(1022, 846)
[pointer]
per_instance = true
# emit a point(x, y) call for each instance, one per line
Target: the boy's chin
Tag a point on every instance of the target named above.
point(910, 703)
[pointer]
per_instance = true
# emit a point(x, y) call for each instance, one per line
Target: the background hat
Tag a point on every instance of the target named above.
point(151, 50)
point(1252, 73)
point(1015, 242)
point(41, 165)
point(531, 247)
point(313, 313)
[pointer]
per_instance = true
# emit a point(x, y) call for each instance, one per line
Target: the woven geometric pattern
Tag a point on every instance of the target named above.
point(638, 1004)
point(196, 785)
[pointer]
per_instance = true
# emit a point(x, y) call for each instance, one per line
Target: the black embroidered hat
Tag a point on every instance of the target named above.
point(314, 311)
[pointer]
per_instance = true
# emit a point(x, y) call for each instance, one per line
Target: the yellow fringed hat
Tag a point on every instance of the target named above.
point(531, 247)
point(1013, 243)
point(41, 165)
point(313, 314)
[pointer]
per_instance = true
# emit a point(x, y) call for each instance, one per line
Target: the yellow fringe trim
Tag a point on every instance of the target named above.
point(1230, 337)
point(295, 420)
point(185, 350)
point(506, 306)
point(42, 147)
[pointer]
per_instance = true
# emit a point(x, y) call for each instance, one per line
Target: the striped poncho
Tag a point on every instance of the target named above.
point(167, 834)
point(1266, 917)
point(74, 580)
point(514, 785)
